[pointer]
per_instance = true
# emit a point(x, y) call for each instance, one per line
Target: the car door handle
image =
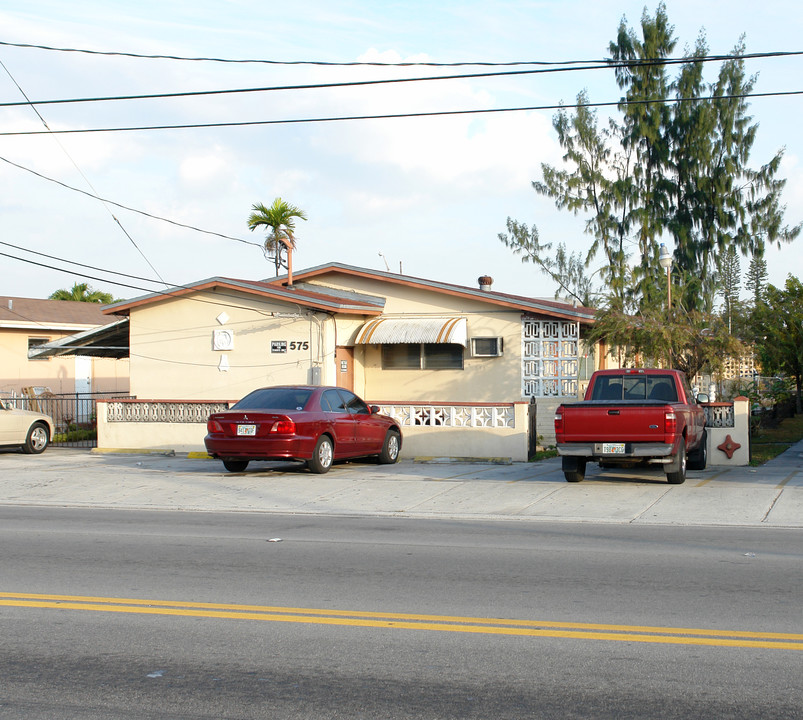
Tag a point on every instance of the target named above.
point(613, 412)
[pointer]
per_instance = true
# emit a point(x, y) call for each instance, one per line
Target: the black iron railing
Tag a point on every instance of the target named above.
point(74, 415)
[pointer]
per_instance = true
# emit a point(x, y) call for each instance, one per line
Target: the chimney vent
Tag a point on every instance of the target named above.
point(485, 282)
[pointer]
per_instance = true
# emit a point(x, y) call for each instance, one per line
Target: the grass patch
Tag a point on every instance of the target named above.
point(544, 454)
point(768, 443)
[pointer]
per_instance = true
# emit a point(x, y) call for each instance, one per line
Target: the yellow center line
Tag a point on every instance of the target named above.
point(407, 621)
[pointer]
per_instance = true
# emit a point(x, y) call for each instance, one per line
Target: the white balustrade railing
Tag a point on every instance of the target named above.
point(453, 416)
point(154, 411)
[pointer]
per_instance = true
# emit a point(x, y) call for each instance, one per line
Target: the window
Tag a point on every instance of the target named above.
point(422, 356)
point(35, 342)
point(486, 346)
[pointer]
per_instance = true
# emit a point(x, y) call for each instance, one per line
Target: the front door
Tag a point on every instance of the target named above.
point(344, 359)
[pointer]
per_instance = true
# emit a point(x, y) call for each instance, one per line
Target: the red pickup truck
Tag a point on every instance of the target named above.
point(627, 416)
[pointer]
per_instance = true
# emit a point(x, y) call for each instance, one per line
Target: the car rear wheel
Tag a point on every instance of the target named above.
point(390, 448)
point(324, 454)
point(676, 471)
point(37, 440)
point(235, 465)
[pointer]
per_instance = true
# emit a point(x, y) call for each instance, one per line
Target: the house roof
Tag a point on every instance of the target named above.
point(49, 315)
point(551, 308)
point(110, 341)
point(314, 297)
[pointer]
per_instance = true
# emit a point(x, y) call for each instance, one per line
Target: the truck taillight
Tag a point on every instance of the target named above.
point(213, 426)
point(558, 422)
point(283, 427)
point(670, 422)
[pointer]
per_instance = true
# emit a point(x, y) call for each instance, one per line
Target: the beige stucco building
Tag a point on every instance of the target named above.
point(465, 369)
point(28, 323)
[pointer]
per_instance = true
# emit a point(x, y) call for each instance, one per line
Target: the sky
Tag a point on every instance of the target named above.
point(425, 196)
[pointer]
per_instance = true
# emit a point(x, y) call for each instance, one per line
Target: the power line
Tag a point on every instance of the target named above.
point(174, 289)
point(75, 165)
point(596, 65)
point(320, 63)
point(440, 113)
point(126, 207)
point(323, 63)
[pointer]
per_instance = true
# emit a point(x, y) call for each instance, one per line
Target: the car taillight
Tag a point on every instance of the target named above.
point(213, 426)
point(670, 422)
point(283, 427)
point(558, 423)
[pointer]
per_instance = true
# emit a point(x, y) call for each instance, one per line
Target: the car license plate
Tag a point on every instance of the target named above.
point(246, 429)
point(613, 448)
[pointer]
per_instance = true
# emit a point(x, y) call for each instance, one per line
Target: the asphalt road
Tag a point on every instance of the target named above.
point(157, 614)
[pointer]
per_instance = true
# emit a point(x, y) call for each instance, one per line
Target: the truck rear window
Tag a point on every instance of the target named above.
point(635, 387)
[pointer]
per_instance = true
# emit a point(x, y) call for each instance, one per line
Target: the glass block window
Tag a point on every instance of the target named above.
point(550, 357)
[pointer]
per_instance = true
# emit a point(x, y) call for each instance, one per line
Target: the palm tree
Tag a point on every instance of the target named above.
point(280, 219)
point(81, 292)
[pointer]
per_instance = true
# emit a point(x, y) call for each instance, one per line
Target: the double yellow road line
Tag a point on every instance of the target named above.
point(405, 621)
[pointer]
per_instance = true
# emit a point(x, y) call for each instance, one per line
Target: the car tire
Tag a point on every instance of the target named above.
point(235, 465)
point(574, 469)
point(37, 440)
point(323, 456)
point(676, 471)
point(698, 459)
point(390, 448)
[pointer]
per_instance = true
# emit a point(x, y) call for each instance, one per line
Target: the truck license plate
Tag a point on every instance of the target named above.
point(246, 429)
point(613, 448)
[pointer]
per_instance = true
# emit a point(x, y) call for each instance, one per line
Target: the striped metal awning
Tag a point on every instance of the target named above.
point(386, 331)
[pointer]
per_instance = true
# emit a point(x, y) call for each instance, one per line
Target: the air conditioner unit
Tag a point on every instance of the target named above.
point(486, 346)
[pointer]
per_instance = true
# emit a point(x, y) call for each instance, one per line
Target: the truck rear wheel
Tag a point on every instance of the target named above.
point(676, 471)
point(699, 458)
point(574, 468)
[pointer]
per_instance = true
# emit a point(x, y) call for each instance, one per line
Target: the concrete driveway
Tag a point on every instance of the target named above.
point(771, 495)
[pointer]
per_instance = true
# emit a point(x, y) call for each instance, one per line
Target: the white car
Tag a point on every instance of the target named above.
point(26, 429)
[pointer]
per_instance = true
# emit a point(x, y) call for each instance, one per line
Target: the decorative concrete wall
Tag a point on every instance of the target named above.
point(728, 428)
point(497, 431)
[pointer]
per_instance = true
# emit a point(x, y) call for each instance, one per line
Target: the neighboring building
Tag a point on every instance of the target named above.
point(27, 323)
point(443, 358)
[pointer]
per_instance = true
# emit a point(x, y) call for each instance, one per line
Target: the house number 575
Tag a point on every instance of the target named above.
point(299, 345)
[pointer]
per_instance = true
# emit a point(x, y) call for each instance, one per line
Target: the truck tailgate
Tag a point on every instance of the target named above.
point(641, 421)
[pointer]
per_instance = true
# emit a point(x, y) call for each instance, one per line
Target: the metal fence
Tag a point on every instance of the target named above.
point(74, 415)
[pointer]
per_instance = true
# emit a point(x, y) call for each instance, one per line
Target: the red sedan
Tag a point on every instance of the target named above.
point(299, 422)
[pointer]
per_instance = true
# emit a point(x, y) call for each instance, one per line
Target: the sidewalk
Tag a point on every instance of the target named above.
point(768, 496)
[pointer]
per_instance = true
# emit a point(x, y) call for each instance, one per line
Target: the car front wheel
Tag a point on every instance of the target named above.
point(324, 454)
point(37, 440)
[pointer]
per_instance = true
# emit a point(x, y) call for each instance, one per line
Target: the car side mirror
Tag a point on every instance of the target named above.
point(375, 409)
point(702, 398)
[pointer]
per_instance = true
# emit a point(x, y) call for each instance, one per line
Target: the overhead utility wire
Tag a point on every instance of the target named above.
point(172, 292)
point(439, 113)
point(321, 63)
point(75, 165)
point(126, 207)
point(605, 65)
point(472, 63)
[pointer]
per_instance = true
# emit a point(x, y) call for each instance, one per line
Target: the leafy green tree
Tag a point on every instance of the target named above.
point(279, 219)
point(82, 292)
point(688, 341)
point(729, 275)
point(662, 170)
point(566, 269)
point(756, 279)
point(778, 329)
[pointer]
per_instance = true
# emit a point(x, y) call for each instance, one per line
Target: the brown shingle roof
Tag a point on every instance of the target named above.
point(31, 312)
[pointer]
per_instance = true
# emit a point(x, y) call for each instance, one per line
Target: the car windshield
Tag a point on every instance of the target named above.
point(280, 398)
point(635, 387)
